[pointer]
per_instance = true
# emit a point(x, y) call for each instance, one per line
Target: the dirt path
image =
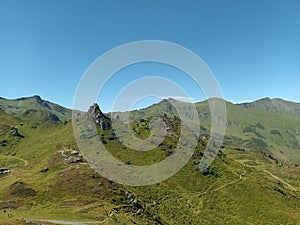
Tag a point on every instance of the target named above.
point(66, 222)
point(25, 163)
point(18, 158)
point(23, 160)
point(218, 188)
point(282, 181)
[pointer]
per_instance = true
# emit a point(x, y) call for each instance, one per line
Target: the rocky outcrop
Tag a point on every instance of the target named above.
point(15, 132)
point(72, 156)
point(77, 160)
point(45, 169)
point(133, 200)
point(30, 222)
point(4, 171)
point(100, 119)
point(3, 143)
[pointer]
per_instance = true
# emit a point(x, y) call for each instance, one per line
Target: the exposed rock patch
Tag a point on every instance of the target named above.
point(45, 169)
point(30, 222)
point(100, 118)
point(4, 171)
point(71, 156)
point(15, 132)
point(3, 143)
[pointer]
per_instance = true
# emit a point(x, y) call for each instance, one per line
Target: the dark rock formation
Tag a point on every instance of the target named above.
point(132, 199)
point(4, 171)
point(54, 118)
point(46, 105)
point(74, 152)
point(3, 143)
point(72, 156)
point(100, 119)
point(76, 160)
point(15, 132)
point(45, 169)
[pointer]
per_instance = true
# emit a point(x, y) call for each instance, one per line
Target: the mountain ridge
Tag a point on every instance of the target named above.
point(270, 126)
point(35, 108)
point(276, 105)
point(239, 186)
point(244, 104)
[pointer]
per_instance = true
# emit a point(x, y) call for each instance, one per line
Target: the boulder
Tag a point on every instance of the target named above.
point(132, 199)
point(77, 160)
point(15, 132)
point(74, 152)
point(3, 143)
point(4, 171)
point(45, 169)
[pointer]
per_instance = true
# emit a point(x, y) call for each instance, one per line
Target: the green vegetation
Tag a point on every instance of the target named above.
point(253, 180)
point(275, 105)
point(35, 109)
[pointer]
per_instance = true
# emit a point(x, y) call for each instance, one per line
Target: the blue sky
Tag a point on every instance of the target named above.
point(252, 47)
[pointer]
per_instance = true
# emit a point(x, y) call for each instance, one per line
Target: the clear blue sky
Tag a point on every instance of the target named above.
point(253, 47)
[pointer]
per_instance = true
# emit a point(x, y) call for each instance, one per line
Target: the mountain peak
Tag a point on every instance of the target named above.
point(265, 99)
point(275, 105)
point(100, 118)
point(34, 108)
point(37, 97)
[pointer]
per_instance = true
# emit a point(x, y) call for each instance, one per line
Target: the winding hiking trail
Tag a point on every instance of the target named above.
point(18, 158)
point(23, 160)
point(218, 188)
point(66, 222)
point(25, 163)
point(280, 180)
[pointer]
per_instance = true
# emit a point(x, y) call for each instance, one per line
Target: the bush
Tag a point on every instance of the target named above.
point(211, 171)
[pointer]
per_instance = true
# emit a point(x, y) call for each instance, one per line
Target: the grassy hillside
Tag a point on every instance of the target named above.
point(275, 105)
point(35, 109)
point(240, 187)
point(276, 134)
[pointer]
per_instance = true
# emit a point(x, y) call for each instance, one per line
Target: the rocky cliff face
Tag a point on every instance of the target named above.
point(100, 118)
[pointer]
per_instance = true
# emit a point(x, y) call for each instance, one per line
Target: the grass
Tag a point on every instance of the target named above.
point(272, 132)
point(234, 190)
point(35, 109)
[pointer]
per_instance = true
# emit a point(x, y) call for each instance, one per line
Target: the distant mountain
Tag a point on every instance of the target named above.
point(268, 126)
point(35, 109)
point(275, 105)
point(44, 176)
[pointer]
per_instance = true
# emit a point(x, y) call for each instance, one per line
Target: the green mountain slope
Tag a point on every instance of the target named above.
point(240, 187)
point(276, 134)
point(35, 109)
point(275, 105)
